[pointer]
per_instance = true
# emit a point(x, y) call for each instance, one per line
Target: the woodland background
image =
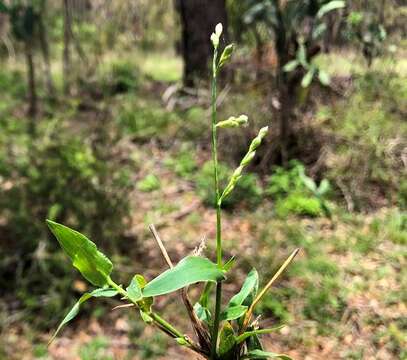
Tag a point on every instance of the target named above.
point(104, 126)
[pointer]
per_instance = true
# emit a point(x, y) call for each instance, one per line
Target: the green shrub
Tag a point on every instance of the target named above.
point(66, 178)
point(370, 127)
point(247, 191)
point(295, 193)
point(121, 77)
point(183, 163)
point(149, 183)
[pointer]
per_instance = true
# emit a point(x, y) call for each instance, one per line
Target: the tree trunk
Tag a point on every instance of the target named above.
point(198, 21)
point(45, 54)
point(67, 47)
point(32, 91)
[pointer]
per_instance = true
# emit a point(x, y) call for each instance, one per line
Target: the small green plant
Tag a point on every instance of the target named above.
point(149, 183)
point(221, 334)
point(295, 192)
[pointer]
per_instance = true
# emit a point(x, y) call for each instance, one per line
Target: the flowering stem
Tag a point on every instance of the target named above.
point(215, 330)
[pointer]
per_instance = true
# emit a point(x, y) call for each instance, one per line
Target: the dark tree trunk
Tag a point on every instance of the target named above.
point(198, 21)
point(32, 91)
point(67, 47)
point(45, 54)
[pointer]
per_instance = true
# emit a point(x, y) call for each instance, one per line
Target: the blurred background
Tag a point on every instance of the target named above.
point(104, 127)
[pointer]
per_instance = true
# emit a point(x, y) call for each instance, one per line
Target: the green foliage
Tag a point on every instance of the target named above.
point(183, 163)
point(295, 193)
point(121, 77)
point(376, 139)
point(365, 28)
point(149, 183)
point(95, 349)
point(40, 172)
point(92, 264)
point(188, 271)
point(247, 190)
point(75, 309)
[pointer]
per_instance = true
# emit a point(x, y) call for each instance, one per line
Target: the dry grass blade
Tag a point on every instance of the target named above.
point(266, 288)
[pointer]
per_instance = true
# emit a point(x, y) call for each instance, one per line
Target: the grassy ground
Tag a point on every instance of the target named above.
point(345, 295)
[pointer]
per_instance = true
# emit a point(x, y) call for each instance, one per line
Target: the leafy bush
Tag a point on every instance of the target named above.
point(63, 177)
point(247, 191)
point(366, 159)
point(149, 183)
point(183, 163)
point(296, 193)
point(122, 76)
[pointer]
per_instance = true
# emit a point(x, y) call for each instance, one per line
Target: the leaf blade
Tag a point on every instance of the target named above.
point(91, 263)
point(188, 271)
point(75, 309)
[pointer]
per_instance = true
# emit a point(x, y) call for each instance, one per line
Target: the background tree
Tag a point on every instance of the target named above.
point(198, 19)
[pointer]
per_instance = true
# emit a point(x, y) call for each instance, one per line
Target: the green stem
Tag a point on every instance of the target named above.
point(215, 329)
point(157, 318)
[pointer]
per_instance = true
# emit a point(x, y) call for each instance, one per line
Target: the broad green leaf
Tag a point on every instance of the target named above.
point(306, 80)
point(227, 342)
point(134, 290)
point(324, 78)
point(260, 354)
point(233, 312)
point(332, 5)
point(189, 270)
point(291, 65)
point(249, 287)
point(247, 334)
point(92, 264)
point(75, 309)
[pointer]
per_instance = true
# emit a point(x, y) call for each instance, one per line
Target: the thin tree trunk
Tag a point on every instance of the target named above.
point(32, 91)
point(67, 47)
point(45, 54)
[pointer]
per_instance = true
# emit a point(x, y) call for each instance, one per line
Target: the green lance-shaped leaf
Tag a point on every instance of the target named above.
point(291, 65)
point(237, 174)
point(227, 342)
point(233, 312)
point(332, 5)
point(75, 309)
point(249, 289)
point(92, 264)
point(260, 354)
point(324, 78)
point(226, 55)
point(189, 270)
point(233, 122)
point(248, 334)
point(307, 79)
